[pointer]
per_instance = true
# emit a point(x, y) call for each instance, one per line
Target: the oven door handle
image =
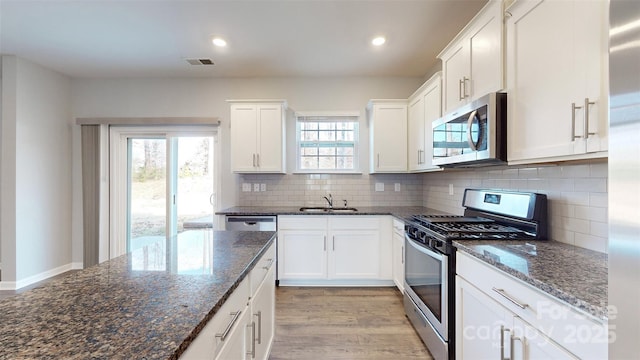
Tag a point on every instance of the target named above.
point(424, 250)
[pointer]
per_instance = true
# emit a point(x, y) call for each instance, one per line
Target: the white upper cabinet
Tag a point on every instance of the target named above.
point(388, 136)
point(557, 80)
point(425, 105)
point(472, 64)
point(258, 136)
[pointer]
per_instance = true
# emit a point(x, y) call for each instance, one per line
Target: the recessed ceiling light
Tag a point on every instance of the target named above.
point(219, 42)
point(377, 41)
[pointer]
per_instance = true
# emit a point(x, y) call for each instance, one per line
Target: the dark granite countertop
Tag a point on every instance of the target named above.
point(150, 303)
point(574, 275)
point(400, 212)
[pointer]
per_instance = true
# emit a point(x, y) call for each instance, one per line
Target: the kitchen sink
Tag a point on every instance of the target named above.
point(344, 210)
point(326, 209)
point(314, 209)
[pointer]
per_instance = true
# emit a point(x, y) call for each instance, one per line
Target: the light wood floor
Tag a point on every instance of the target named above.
point(343, 323)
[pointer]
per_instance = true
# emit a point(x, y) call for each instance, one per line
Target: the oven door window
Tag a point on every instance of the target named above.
point(462, 135)
point(423, 273)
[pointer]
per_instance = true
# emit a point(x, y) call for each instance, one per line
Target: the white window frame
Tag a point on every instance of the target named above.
point(356, 149)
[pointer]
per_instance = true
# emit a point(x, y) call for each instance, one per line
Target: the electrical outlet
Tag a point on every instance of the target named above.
point(450, 189)
point(263, 187)
point(256, 187)
point(379, 186)
point(246, 187)
point(396, 187)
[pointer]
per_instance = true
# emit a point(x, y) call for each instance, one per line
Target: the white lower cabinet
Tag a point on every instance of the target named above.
point(498, 316)
point(263, 318)
point(243, 328)
point(333, 249)
point(398, 254)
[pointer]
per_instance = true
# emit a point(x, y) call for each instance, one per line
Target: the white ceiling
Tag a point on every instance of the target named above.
point(147, 38)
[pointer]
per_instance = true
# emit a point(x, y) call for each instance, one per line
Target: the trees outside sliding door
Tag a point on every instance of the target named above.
point(163, 183)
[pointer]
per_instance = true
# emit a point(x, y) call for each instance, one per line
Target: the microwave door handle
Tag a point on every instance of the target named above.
point(472, 144)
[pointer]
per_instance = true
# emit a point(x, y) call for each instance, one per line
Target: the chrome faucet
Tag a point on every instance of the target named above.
point(329, 200)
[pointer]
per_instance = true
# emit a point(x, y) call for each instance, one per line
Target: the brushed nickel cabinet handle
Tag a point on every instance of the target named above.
point(253, 340)
point(378, 166)
point(259, 315)
point(258, 159)
point(586, 117)
point(460, 90)
point(464, 87)
point(254, 160)
point(510, 298)
point(502, 331)
point(573, 121)
point(226, 331)
point(512, 343)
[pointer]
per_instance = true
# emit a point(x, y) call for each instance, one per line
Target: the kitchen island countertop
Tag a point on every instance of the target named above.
point(150, 303)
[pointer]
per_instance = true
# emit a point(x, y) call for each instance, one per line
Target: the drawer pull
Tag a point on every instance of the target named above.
point(253, 340)
point(224, 335)
point(502, 331)
point(259, 315)
point(268, 266)
point(510, 298)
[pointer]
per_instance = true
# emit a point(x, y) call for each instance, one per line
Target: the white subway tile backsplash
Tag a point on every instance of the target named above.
point(577, 196)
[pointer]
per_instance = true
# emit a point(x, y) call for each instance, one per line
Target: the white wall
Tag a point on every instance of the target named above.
point(207, 98)
point(36, 172)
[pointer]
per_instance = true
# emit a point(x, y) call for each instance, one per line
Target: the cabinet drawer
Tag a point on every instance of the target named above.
point(398, 227)
point(207, 345)
point(262, 267)
point(578, 332)
point(302, 222)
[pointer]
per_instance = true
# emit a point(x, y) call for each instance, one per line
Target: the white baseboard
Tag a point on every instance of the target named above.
point(330, 283)
point(16, 285)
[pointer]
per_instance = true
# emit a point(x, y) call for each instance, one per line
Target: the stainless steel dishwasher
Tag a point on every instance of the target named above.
point(250, 223)
point(254, 223)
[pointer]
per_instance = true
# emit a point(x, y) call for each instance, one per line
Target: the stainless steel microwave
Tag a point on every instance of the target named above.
point(473, 135)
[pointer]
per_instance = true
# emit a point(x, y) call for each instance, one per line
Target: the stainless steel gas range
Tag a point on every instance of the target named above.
point(429, 297)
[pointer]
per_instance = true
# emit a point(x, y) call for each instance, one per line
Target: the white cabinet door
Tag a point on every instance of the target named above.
point(263, 317)
point(455, 69)
point(555, 72)
point(257, 137)
point(424, 107)
point(483, 327)
point(485, 52)
point(398, 254)
point(270, 156)
point(530, 344)
point(472, 64)
point(388, 128)
point(244, 135)
point(302, 254)
point(416, 133)
point(355, 254)
point(335, 249)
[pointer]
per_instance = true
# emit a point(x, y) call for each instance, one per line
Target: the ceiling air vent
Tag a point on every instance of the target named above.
point(200, 61)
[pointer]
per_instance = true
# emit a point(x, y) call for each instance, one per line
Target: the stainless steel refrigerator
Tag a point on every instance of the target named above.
point(624, 178)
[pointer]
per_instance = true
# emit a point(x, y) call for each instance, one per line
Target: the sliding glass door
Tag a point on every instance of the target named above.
point(163, 184)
